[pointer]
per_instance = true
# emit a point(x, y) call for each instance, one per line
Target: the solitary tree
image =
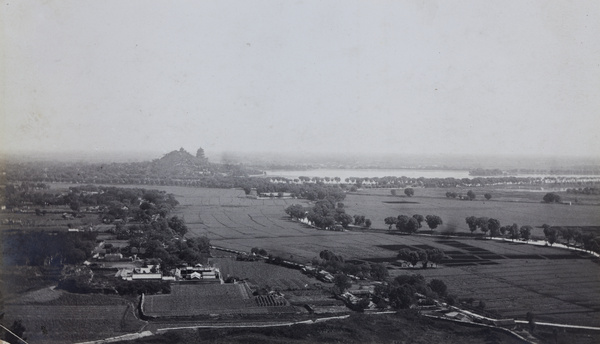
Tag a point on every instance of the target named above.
point(566, 234)
point(550, 234)
point(482, 223)
point(551, 197)
point(526, 232)
point(451, 194)
point(471, 195)
point(401, 222)
point(488, 196)
point(514, 232)
point(433, 221)
point(412, 225)
point(359, 219)
point(342, 282)
point(390, 221)
point(494, 227)
point(472, 223)
point(409, 192)
point(438, 286)
point(379, 272)
point(295, 211)
point(419, 218)
point(368, 223)
point(344, 219)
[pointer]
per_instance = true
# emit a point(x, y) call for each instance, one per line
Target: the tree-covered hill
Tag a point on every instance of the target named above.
point(174, 168)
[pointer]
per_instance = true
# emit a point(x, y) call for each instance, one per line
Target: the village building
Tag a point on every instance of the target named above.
point(198, 273)
point(149, 273)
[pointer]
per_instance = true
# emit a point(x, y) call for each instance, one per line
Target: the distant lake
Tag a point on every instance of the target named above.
point(369, 173)
point(410, 173)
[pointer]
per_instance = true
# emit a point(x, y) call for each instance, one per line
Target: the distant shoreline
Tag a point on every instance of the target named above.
point(408, 172)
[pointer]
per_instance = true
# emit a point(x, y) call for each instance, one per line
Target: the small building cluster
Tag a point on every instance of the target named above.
point(198, 272)
point(148, 273)
point(321, 275)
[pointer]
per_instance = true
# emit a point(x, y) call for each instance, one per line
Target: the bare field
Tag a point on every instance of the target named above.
point(454, 211)
point(563, 291)
point(262, 274)
point(59, 317)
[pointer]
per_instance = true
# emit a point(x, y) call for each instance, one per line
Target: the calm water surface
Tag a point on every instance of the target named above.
point(370, 173)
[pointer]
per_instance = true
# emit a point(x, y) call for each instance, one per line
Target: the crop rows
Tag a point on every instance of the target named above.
point(262, 274)
point(60, 324)
point(193, 300)
point(555, 290)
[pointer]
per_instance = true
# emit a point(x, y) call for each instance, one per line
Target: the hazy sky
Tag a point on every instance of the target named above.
point(467, 77)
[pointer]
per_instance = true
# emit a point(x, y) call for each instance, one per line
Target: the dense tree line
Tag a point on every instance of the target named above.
point(471, 195)
point(485, 172)
point(182, 169)
point(588, 241)
point(411, 224)
point(86, 285)
point(492, 227)
point(402, 292)
point(426, 257)
point(111, 202)
point(584, 191)
point(325, 214)
point(312, 192)
point(335, 264)
point(168, 251)
point(41, 248)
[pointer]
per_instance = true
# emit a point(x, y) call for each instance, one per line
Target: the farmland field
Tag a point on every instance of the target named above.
point(261, 274)
point(518, 210)
point(563, 291)
point(53, 316)
point(228, 214)
point(188, 300)
point(511, 278)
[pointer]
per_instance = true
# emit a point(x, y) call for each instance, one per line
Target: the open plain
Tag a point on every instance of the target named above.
point(511, 278)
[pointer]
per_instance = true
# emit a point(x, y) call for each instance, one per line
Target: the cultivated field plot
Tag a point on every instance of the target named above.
point(370, 245)
point(562, 291)
point(486, 252)
point(453, 212)
point(189, 300)
point(227, 213)
point(233, 221)
point(261, 274)
point(59, 317)
point(502, 193)
point(553, 283)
